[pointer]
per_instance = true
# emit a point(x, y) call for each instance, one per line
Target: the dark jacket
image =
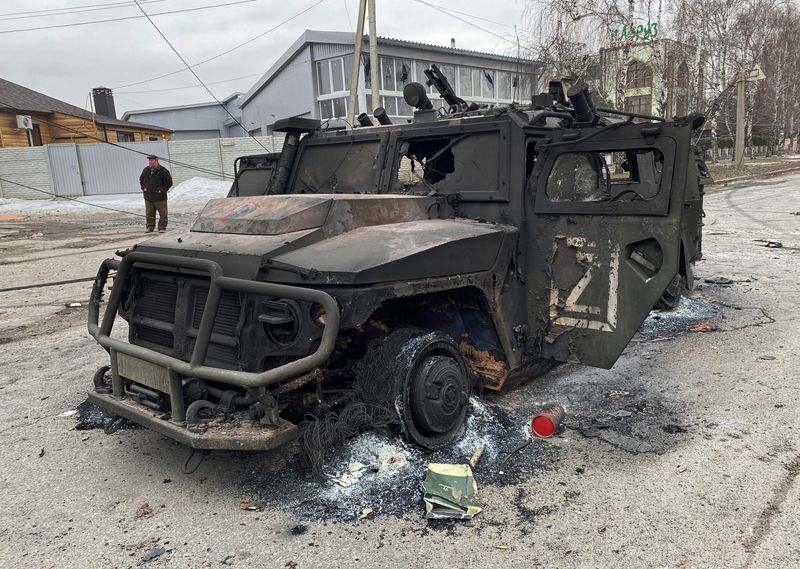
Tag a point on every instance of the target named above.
point(155, 183)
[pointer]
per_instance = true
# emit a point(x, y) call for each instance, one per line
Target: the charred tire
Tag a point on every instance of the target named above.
point(671, 296)
point(430, 385)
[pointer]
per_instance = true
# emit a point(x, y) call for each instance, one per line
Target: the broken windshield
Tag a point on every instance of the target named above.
point(448, 164)
point(345, 167)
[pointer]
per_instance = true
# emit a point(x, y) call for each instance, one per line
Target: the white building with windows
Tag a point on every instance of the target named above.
point(312, 78)
point(197, 121)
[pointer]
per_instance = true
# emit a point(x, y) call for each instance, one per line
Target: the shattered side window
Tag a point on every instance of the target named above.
point(347, 167)
point(578, 177)
point(448, 164)
point(623, 176)
point(636, 175)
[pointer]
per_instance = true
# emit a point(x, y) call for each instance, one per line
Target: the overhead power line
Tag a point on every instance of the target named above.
point(128, 2)
point(227, 51)
point(123, 18)
point(196, 76)
point(447, 13)
point(72, 10)
point(473, 16)
point(195, 86)
point(166, 89)
point(71, 199)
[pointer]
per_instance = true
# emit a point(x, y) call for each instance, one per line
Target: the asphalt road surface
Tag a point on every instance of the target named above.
point(685, 454)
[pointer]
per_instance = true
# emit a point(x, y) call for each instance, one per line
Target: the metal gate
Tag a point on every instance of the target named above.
point(65, 170)
point(108, 169)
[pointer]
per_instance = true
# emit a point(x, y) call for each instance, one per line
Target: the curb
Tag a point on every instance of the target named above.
point(734, 179)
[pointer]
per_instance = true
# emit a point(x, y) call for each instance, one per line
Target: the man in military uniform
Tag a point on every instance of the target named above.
point(155, 181)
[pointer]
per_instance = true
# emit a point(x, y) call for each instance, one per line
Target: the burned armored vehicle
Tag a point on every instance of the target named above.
point(406, 264)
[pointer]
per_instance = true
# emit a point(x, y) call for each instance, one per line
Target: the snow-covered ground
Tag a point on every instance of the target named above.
point(188, 197)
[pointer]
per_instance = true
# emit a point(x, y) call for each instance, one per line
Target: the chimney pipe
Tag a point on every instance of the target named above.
point(452, 43)
point(104, 102)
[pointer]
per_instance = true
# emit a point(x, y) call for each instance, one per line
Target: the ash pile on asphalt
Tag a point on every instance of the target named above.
point(385, 473)
point(663, 324)
point(90, 416)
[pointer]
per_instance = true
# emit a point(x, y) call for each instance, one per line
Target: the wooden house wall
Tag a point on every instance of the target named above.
point(76, 129)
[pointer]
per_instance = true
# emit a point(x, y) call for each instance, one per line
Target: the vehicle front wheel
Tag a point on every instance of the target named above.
point(671, 296)
point(430, 384)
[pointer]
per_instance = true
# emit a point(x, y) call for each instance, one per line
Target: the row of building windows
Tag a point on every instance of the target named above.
point(643, 104)
point(640, 75)
point(488, 86)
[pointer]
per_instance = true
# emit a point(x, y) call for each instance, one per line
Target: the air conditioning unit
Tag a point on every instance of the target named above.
point(24, 121)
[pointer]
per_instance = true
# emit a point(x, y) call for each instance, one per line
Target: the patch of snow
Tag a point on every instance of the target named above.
point(188, 197)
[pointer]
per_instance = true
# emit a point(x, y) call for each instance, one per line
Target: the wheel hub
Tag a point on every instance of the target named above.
point(438, 394)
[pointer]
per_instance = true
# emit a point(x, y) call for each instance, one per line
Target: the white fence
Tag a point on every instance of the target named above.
point(91, 169)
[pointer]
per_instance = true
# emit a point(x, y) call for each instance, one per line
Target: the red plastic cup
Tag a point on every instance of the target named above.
point(545, 423)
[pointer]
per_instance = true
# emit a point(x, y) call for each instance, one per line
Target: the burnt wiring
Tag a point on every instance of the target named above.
point(321, 435)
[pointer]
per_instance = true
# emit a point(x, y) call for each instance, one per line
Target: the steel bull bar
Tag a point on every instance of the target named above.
point(169, 371)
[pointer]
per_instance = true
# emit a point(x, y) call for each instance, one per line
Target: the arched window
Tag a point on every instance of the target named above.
point(639, 75)
point(682, 78)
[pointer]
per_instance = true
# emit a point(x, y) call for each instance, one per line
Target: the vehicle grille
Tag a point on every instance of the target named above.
point(158, 300)
point(227, 313)
point(167, 312)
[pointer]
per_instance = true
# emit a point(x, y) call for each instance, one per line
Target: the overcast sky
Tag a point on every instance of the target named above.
point(66, 63)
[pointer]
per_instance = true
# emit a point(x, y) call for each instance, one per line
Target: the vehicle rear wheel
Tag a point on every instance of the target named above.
point(671, 296)
point(430, 384)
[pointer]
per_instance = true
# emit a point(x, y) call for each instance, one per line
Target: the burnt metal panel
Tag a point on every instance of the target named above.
point(402, 251)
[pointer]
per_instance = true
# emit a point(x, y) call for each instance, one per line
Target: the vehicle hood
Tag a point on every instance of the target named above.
point(336, 239)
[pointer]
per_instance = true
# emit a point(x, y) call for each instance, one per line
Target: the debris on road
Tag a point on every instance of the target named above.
point(622, 441)
point(69, 413)
point(702, 327)
point(247, 505)
point(41, 453)
point(620, 414)
point(725, 281)
point(545, 423)
point(517, 448)
point(153, 553)
point(367, 514)
point(355, 470)
point(144, 511)
point(766, 358)
point(772, 244)
point(476, 457)
point(73, 304)
point(450, 492)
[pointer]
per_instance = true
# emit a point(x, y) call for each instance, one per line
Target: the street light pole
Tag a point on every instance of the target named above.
point(741, 84)
point(374, 64)
point(351, 100)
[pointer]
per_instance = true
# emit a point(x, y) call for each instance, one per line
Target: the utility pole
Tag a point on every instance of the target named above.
point(351, 100)
point(741, 84)
point(374, 64)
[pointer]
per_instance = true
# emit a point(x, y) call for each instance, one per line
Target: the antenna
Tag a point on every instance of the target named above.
point(517, 77)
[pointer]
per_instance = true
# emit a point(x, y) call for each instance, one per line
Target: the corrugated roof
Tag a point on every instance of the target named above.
point(14, 97)
point(348, 38)
point(448, 49)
